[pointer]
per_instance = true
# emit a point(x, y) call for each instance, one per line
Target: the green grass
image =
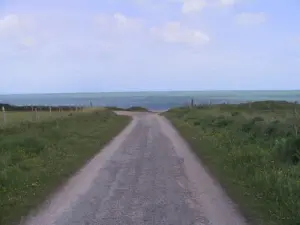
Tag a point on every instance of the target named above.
point(254, 151)
point(37, 157)
point(15, 117)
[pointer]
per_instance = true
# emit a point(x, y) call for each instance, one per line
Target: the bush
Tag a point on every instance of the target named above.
point(288, 150)
point(222, 121)
point(197, 123)
point(235, 113)
point(247, 127)
point(257, 119)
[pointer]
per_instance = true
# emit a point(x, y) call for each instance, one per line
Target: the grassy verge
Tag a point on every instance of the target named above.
point(254, 151)
point(16, 117)
point(36, 157)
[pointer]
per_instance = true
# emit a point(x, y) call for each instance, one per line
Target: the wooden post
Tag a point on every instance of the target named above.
point(36, 115)
point(4, 116)
point(192, 102)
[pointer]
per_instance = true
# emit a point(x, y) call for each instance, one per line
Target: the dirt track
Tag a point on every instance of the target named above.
point(147, 175)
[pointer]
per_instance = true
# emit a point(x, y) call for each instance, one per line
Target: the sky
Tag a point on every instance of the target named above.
point(148, 45)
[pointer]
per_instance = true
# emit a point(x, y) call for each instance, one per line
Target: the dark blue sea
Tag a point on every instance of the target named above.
point(151, 100)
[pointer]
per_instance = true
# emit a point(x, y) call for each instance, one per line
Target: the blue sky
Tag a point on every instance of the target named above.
point(138, 45)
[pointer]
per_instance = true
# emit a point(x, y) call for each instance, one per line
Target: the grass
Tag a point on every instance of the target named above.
point(15, 117)
point(37, 157)
point(254, 151)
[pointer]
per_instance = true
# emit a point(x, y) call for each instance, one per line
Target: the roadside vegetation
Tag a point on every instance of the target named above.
point(17, 114)
point(253, 149)
point(28, 108)
point(37, 157)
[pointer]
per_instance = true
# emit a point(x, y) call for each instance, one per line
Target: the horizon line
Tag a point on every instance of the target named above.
point(149, 91)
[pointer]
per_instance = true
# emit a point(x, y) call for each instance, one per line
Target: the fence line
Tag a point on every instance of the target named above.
point(35, 114)
point(3, 115)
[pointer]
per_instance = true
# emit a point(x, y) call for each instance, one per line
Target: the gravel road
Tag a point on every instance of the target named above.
point(146, 175)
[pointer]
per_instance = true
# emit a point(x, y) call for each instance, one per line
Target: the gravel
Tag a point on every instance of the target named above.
point(146, 175)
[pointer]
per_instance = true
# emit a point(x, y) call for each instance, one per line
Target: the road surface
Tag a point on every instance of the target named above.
point(146, 175)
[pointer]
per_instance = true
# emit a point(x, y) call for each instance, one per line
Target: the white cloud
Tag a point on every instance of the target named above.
point(194, 6)
point(190, 6)
point(251, 18)
point(174, 32)
point(117, 22)
point(14, 24)
point(10, 23)
point(228, 2)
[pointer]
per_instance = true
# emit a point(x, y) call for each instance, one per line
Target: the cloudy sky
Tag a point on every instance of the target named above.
point(137, 45)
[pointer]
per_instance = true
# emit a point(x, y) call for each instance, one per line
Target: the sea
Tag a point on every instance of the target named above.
point(150, 100)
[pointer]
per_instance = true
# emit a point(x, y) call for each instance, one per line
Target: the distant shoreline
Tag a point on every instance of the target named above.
point(149, 100)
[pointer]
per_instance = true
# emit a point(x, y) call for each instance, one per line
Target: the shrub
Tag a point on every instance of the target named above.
point(247, 127)
point(288, 150)
point(257, 119)
point(235, 113)
point(197, 123)
point(221, 122)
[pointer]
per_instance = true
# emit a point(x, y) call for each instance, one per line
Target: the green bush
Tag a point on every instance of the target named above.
point(235, 113)
point(288, 150)
point(222, 121)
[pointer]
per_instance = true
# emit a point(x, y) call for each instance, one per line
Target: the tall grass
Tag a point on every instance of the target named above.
point(36, 157)
point(254, 151)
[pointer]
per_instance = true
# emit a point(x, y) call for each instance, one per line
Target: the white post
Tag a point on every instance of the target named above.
point(50, 111)
point(4, 116)
point(36, 114)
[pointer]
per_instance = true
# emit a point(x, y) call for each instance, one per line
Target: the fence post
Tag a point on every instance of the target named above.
point(36, 115)
point(192, 103)
point(4, 116)
point(50, 111)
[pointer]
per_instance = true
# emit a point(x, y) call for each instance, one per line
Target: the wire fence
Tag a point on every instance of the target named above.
point(35, 114)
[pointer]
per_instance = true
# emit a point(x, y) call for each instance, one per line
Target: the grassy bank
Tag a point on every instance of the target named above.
point(15, 117)
point(28, 108)
point(36, 157)
point(254, 151)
